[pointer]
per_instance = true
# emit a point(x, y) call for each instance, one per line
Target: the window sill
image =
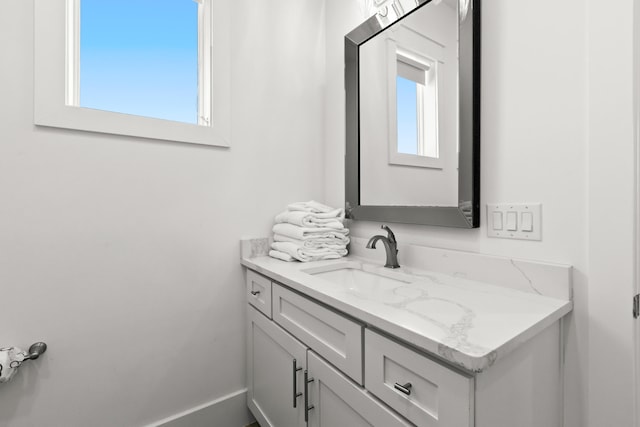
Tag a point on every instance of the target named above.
point(86, 119)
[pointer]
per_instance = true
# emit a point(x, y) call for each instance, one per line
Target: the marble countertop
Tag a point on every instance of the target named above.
point(468, 323)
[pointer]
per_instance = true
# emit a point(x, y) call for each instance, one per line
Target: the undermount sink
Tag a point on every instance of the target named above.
point(360, 276)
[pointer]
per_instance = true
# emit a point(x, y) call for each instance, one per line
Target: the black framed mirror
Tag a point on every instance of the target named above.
point(412, 81)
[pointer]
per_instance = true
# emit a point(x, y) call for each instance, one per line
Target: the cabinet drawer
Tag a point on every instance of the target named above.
point(334, 337)
point(259, 292)
point(433, 396)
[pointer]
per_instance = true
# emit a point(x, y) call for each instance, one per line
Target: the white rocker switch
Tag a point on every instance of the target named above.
point(527, 222)
point(497, 220)
point(512, 221)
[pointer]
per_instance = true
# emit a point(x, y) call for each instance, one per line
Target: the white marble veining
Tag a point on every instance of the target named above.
point(466, 322)
point(542, 278)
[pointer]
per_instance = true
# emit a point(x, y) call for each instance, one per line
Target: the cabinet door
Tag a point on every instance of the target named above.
point(272, 378)
point(337, 401)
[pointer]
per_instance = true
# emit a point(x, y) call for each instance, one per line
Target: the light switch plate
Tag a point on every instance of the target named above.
point(531, 220)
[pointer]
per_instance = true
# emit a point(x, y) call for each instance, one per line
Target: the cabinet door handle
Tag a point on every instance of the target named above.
point(296, 393)
point(307, 408)
point(255, 293)
point(403, 388)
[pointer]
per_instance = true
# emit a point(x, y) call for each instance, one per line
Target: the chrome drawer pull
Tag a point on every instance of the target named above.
point(296, 393)
point(404, 388)
point(255, 293)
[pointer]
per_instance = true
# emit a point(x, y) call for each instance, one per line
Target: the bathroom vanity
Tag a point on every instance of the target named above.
point(456, 339)
point(449, 339)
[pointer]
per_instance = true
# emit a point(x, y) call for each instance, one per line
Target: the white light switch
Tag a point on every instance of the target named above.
point(514, 220)
point(497, 220)
point(527, 222)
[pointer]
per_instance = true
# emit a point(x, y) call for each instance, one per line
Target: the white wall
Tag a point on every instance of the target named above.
point(122, 253)
point(544, 77)
point(611, 213)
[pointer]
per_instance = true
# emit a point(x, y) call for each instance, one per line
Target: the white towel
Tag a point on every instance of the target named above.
point(307, 219)
point(280, 255)
point(312, 206)
point(305, 254)
point(336, 214)
point(305, 233)
point(315, 243)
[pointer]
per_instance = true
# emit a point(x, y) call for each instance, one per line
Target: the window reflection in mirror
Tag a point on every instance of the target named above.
point(407, 113)
point(416, 107)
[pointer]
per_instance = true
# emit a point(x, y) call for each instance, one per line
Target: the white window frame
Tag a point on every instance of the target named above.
point(56, 97)
point(426, 107)
point(424, 75)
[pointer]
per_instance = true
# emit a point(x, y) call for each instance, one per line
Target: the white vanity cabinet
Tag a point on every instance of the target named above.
point(278, 365)
point(311, 365)
point(276, 360)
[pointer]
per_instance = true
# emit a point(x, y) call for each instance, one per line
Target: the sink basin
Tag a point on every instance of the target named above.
point(361, 277)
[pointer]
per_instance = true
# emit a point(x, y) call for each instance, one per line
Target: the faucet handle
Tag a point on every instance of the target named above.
point(392, 237)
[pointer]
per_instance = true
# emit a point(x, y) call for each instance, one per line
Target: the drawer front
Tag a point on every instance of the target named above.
point(334, 337)
point(259, 292)
point(425, 392)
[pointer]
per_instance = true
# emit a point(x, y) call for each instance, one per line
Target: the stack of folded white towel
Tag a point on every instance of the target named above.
point(309, 231)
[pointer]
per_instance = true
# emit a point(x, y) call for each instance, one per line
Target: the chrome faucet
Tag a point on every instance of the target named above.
point(390, 246)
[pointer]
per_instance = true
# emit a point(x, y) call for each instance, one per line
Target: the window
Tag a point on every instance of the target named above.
point(149, 68)
point(415, 98)
point(416, 111)
point(138, 57)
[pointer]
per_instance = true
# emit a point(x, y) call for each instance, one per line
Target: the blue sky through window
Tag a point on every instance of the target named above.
point(407, 119)
point(140, 57)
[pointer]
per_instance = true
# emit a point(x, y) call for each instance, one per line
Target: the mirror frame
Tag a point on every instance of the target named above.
point(467, 214)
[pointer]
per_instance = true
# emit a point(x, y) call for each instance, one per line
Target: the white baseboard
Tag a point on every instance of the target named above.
point(228, 411)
